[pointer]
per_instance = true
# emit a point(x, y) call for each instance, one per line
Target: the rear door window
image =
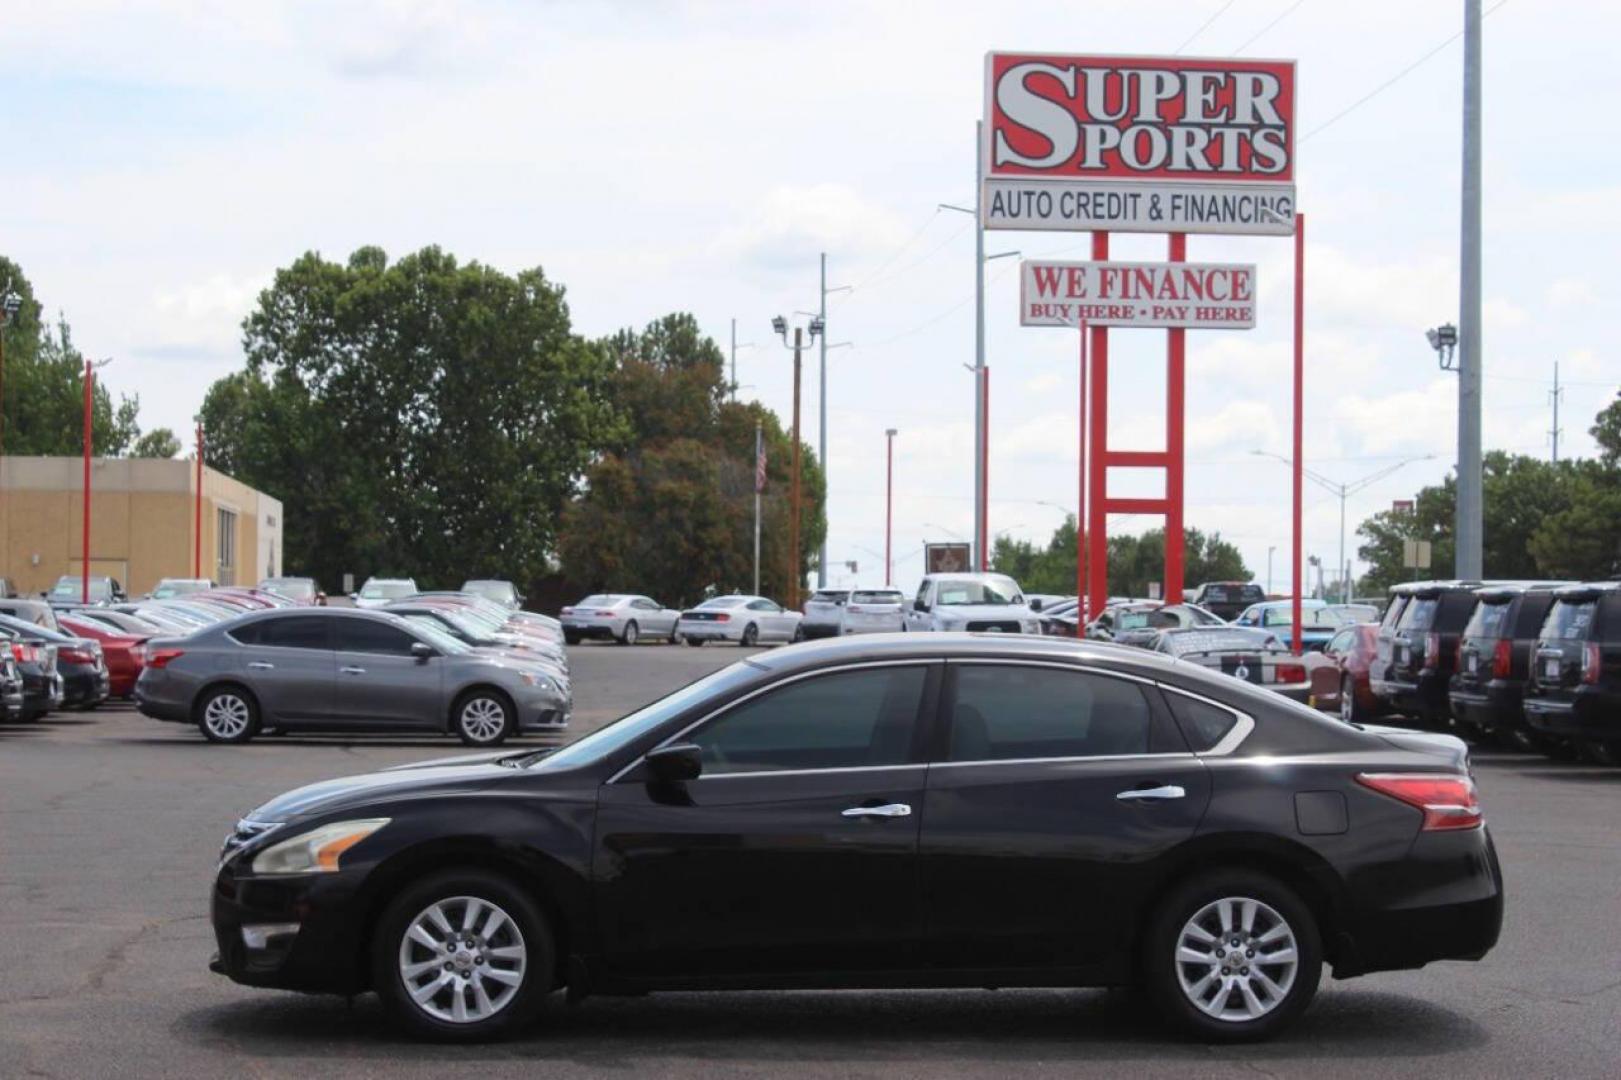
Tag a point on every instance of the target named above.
point(368, 636)
point(295, 632)
point(1014, 712)
point(1570, 620)
point(1203, 724)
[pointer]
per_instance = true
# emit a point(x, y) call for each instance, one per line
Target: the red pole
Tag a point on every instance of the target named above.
point(1175, 378)
point(985, 471)
point(1097, 589)
point(1300, 401)
point(1080, 480)
point(197, 558)
point(889, 503)
point(84, 549)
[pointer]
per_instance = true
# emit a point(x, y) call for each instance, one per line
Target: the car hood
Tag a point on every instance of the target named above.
point(401, 782)
point(964, 612)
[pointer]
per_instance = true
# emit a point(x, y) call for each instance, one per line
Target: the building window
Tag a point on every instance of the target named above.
point(226, 555)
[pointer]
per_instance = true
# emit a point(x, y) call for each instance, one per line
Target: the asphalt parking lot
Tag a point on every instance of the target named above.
point(110, 823)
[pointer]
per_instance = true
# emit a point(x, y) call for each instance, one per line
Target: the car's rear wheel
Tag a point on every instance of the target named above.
point(483, 718)
point(1231, 956)
point(630, 634)
point(228, 714)
point(571, 639)
point(462, 956)
point(1600, 751)
point(751, 635)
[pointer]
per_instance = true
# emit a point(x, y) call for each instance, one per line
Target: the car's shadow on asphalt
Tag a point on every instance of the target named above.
point(1008, 1025)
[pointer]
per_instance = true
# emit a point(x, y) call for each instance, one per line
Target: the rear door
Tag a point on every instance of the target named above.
point(287, 662)
point(1052, 791)
point(380, 683)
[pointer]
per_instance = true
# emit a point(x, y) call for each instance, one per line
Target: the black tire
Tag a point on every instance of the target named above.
point(472, 715)
point(631, 633)
point(228, 715)
point(389, 943)
point(571, 638)
point(799, 633)
point(675, 636)
point(694, 642)
point(1164, 974)
point(1599, 751)
point(751, 636)
point(1354, 713)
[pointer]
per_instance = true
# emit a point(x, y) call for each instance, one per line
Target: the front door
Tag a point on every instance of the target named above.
point(380, 683)
point(794, 851)
point(1056, 791)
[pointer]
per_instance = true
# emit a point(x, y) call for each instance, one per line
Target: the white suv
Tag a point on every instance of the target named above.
point(990, 603)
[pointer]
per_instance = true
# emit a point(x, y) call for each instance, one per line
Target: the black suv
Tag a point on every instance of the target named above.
point(1575, 687)
point(1418, 645)
point(1494, 661)
point(1226, 599)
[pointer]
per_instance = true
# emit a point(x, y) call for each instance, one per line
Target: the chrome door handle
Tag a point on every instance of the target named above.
point(260, 665)
point(894, 809)
point(1167, 791)
point(353, 670)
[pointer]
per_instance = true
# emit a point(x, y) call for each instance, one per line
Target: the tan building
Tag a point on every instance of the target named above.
point(141, 523)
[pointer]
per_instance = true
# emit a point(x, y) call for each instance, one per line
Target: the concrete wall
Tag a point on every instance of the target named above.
point(141, 522)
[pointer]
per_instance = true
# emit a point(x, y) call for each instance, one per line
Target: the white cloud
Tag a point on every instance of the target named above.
point(1567, 292)
point(792, 225)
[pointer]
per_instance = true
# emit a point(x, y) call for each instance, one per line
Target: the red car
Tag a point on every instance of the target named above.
point(1339, 674)
point(125, 653)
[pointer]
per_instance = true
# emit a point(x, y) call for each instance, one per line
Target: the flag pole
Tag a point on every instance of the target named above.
point(759, 453)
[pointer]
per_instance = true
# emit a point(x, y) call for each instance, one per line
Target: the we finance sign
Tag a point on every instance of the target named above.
point(1191, 296)
point(1139, 144)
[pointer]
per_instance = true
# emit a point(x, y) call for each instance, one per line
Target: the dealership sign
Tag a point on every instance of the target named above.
point(1188, 296)
point(1138, 144)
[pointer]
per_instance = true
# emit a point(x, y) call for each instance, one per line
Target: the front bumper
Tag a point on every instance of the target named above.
point(326, 952)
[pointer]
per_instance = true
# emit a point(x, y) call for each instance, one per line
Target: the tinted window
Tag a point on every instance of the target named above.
point(1393, 613)
point(370, 636)
point(830, 596)
point(833, 721)
point(1610, 620)
point(1203, 724)
point(762, 605)
point(1003, 713)
point(885, 597)
point(296, 632)
point(1418, 614)
point(1489, 620)
point(1569, 620)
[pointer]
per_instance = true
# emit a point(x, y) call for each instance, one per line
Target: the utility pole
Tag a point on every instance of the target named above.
point(1556, 395)
point(821, 445)
point(1470, 523)
point(736, 345)
point(197, 506)
point(780, 325)
point(759, 486)
point(889, 504)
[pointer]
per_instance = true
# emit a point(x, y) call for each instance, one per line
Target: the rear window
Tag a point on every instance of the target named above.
point(1419, 613)
point(598, 600)
point(1219, 639)
point(1234, 594)
point(877, 598)
point(830, 596)
point(1569, 620)
point(1489, 620)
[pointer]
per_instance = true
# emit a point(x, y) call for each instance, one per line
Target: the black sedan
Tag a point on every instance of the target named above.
point(79, 661)
point(887, 810)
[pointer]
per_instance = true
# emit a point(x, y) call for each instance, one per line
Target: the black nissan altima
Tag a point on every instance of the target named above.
point(883, 811)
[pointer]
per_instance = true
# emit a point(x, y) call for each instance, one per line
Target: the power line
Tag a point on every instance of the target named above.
point(872, 282)
point(1388, 83)
point(1253, 38)
point(881, 267)
point(1205, 26)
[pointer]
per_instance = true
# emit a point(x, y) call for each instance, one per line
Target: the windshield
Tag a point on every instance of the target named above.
point(292, 588)
point(1222, 639)
point(387, 590)
point(877, 598)
point(627, 729)
point(1569, 620)
point(1000, 590)
point(435, 634)
point(1311, 618)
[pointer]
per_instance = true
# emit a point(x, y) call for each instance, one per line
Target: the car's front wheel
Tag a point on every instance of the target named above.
point(751, 635)
point(483, 718)
point(228, 715)
point(461, 956)
point(630, 634)
point(1232, 956)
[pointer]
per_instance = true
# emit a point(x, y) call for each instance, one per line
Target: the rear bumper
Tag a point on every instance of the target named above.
point(1586, 714)
point(819, 629)
point(589, 630)
point(1494, 707)
point(84, 686)
point(1426, 697)
point(707, 631)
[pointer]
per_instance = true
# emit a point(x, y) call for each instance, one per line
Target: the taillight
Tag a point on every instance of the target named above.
point(76, 656)
point(1432, 650)
point(159, 658)
point(1590, 663)
point(1502, 658)
point(568, 611)
point(855, 609)
point(25, 654)
point(607, 614)
point(1291, 673)
point(1447, 801)
point(723, 618)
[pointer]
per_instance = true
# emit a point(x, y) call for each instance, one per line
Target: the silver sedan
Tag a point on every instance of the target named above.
point(622, 617)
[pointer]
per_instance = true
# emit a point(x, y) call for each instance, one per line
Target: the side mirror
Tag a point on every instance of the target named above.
point(676, 762)
point(918, 605)
point(423, 651)
point(354, 596)
point(1035, 605)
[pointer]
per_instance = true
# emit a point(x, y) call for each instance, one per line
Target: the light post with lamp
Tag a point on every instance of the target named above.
point(780, 325)
point(10, 305)
point(889, 504)
point(90, 367)
point(197, 515)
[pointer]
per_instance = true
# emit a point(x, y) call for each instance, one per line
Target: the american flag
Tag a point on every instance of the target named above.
point(759, 461)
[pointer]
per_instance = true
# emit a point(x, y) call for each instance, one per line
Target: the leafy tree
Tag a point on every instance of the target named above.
point(157, 443)
point(430, 417)
point(1583, 539)
point(42, 409)
point(1607, 431)
point(1134, 561)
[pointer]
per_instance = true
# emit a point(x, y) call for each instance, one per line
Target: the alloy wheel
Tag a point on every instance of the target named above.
point(483, 719)
point(462, 960)
point(630, 633)
point(227, 717)
point(1236, 959)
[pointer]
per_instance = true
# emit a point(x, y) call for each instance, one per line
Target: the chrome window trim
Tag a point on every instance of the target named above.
point(751, 695)
point(815, 772)
point(1243, 725)
point(1063, 760)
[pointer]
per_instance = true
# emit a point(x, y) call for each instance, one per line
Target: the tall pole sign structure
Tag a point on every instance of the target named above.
point(1169, 145)
point(1470, 524)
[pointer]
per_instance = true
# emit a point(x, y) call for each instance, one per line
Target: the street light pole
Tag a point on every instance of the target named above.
point(10, 304)
point(889, 504)
point(90, 367)
point(197, 505)
point(1470, 519)
point(821, 444)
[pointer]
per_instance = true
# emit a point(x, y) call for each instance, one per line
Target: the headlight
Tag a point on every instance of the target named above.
point(317, 851)
point(531, 678)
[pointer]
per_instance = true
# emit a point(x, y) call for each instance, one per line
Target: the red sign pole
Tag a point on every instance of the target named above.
point(1080, 478)
point(1300, 401)
point(1097, 589)
point(84, 550)
point(984, 523)
point(1175, 378)
point(197, 558)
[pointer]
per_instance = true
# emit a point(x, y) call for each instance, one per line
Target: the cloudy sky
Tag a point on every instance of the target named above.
point(164, 157)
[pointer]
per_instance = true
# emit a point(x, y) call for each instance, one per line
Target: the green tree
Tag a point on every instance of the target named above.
point(1583, 539)
point(429, 417)
point(1134, 561)
point(1607, 431)
point(42, 400)
point(157, 443)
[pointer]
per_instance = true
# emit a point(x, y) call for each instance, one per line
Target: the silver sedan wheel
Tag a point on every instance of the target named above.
point(483, 719)
point(1347, 701)
point(1236, 959)
point(462, 960)
point(226, 716)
